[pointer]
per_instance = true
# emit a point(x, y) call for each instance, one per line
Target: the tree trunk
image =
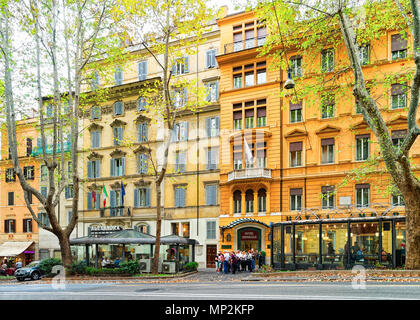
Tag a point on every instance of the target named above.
point(155, 268)
point(66, 257)
point(412, 211)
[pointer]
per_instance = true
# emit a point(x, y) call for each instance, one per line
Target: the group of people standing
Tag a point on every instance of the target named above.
point(238, 261)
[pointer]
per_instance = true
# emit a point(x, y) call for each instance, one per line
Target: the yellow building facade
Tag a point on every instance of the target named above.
point(286, 160)
point(117, 137)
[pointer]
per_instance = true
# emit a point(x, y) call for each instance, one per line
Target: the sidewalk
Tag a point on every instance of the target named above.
point(339, 275)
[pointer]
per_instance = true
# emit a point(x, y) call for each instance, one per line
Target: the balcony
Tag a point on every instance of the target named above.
point(115, 212)
point(249, 173)
point(244, 45)
point(38, 150)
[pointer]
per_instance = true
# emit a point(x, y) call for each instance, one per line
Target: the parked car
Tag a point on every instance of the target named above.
point(30, 271)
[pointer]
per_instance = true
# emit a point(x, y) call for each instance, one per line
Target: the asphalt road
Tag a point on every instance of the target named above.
point(220, 290)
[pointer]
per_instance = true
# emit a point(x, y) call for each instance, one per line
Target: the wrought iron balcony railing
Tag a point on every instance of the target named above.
point(249, 173)
point(112, 212)
point(38, 150)
point(244, 45)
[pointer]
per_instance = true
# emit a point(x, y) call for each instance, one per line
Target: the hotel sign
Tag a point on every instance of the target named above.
point(249, 235)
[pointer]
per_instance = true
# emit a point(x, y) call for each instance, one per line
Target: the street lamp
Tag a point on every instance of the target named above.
point(289, 84)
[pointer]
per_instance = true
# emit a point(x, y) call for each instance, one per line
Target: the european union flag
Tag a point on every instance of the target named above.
point(122, 193)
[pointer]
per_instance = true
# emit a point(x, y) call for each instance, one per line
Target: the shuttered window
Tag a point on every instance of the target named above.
point(118, 76)
point(180, 66)
point(180, 161)
point(11, 199)
point(211, 194)
point(142, 70)
point(69, 191)
point(117, 166)
point(142, 132)
point(142, 163)
point(211, 58)
point(118, 108)
point(141, 104)
point(180, 196)
point(27, 225)
point(94, 169)
point(212, 89)
point(118, 135)
point(212, 158)
point(95, 112)
point(212, 126)
point(180, 131)
point(10, 226)
point(211, 229)
point(141, 197)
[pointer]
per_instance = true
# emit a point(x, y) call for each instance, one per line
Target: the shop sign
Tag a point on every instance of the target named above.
point(249, 235)
point(104, 230)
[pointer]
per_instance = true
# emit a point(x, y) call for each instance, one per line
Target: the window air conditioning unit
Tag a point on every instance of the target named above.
point(169, 267)
point(145, 265)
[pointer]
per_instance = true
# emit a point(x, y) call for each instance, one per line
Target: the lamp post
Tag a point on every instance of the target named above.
point(289, 84)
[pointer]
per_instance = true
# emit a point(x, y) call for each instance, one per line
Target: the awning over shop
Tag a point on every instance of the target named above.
point(130, 236)
point(175, 239)
point(243, 220)
point(14, 248)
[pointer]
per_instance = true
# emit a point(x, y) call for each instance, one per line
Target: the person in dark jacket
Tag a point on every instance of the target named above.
point(260, 260)
point(234, 261)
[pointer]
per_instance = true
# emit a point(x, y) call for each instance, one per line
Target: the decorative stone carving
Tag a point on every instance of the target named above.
point(142, 183)
point(117, 123)
point(117, 153)
point(142, 149)
point(117, 185)
point(94, 155)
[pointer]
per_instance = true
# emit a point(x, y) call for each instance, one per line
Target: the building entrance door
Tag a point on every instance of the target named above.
point(249, 238)
point(211, 253)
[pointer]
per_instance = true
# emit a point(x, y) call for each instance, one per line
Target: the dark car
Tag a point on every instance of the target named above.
point(30, 271)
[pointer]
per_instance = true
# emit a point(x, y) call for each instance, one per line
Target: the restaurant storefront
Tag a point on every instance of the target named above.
point(339, 243)
point(129, 244)
point(14, 251)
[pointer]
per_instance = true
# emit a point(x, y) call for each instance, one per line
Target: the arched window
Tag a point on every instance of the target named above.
point(249, 200)
point(143, 228)
point(237, 201)
point(262, 200)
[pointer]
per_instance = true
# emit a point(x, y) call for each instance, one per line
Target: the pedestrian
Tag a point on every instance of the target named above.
point(117, 262)
point(233, 262)
point(226, 263)
point(19, 264)
point(260, 260)
point(217, 261)
point(222, 262)
point(252, 260)
point(243, 261)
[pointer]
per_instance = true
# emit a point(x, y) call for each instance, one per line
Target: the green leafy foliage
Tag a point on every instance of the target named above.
point(191, 266)
point(46, 265)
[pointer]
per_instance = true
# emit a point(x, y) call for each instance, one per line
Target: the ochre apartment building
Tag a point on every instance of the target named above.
point(299, 152)
point(19, 232)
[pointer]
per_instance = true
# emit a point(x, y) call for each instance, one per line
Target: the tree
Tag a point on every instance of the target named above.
point(308, 26)
point(170, 28)
point(66, 36)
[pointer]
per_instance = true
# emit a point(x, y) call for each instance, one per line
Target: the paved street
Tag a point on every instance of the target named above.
point(207, 285)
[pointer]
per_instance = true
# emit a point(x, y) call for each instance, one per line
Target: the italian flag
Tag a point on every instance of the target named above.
point(104, 194)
